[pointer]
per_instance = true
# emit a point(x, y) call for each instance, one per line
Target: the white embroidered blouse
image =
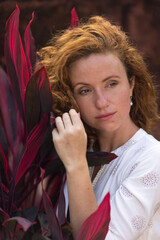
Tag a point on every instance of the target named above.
point(133, 180)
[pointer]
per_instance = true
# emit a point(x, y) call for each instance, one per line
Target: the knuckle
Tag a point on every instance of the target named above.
point(56, 140)
point(70, 132)
point(78, 130)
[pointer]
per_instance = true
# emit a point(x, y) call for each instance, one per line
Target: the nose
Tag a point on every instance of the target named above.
point(101, 100)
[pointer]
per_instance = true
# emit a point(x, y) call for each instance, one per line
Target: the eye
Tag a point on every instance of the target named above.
point(84, 91)
point(111, 84)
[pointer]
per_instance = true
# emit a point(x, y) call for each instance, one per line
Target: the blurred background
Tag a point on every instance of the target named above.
point(140, 19)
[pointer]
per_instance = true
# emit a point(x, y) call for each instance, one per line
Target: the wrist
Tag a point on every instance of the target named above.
point(79, 166)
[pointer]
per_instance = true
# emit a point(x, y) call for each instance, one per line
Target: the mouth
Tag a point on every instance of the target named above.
point(106, 116)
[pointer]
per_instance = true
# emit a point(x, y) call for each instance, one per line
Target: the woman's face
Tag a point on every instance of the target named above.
point(102, 91)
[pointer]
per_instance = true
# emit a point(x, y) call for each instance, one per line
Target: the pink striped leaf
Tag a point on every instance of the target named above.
point(38, 98)
point(96, 225)
point(30, 48)
point(4, 165)
point(14, 224)
point(53, 222)
point(12, 127)
point(15, 58)
point(3, 216)
point(32, 146)
point(61, 204)
point(74, 19)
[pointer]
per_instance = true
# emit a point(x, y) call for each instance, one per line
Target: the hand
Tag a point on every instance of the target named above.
point(70, 140)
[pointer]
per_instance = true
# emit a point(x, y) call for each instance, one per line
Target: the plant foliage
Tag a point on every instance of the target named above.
point(32, 177)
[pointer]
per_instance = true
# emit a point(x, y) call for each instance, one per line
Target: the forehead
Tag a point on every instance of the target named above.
point(96, 65)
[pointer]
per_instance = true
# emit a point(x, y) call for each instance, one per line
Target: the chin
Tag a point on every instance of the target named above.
point(107, 130)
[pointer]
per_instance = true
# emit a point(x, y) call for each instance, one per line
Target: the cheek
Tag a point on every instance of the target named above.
point(86, 109)
point(82, 105)
point(124, 101)
point(122, 98)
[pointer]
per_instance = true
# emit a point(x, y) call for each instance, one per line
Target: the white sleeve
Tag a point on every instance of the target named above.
point(134, 203)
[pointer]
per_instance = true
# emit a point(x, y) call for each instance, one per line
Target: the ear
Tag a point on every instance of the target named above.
point(132, 84)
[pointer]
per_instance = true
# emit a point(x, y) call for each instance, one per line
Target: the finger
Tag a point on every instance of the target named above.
point(54, 134)
point(59, 124)
point(67, 120)
point(74, 116)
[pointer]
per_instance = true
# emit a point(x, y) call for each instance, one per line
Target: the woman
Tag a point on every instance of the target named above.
point(94, 70)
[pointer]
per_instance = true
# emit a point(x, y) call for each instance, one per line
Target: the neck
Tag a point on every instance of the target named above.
point(110, 141)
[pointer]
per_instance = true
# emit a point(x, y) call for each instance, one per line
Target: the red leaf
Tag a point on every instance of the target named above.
point(61, 204)
point(33, 145)
point(30, 47)
point(38, 98)
point(74, 19)
point(96, 225)
point(10, 120)
point(5, 163)
point(55, 187)
point(44, 89)
point(16, 223)
point(99, 158)
point(7, 105)
point(53, 223)
point(3, 216)
point(15, 56)
point(5, 189)
point(42, 176)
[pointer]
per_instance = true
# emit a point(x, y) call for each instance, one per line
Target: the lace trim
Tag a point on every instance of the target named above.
point(98, 175)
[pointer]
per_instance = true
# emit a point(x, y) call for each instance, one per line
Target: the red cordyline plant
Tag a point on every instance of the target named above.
point(32, 176)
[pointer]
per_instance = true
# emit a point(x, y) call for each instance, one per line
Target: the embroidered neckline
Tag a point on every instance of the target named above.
point(117, 151)
point(98, 175)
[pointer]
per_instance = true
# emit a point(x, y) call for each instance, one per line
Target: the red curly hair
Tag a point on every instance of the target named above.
point(98, 35)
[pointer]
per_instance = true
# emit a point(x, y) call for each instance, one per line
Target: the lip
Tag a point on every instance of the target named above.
point(106, 116)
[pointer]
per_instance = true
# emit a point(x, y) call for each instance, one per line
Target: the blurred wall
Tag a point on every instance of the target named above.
point(139, 18)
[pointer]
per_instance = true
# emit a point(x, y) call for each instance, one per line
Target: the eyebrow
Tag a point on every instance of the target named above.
point(104, 80)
